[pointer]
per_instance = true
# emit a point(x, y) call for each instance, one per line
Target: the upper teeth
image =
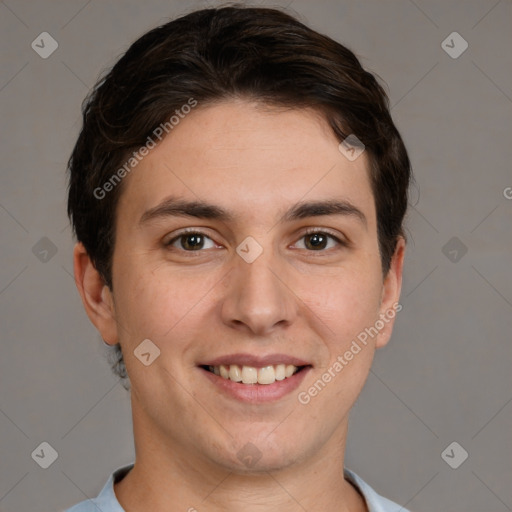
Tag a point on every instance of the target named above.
point(253, 375)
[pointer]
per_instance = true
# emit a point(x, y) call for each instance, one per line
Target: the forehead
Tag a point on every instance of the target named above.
point(249, 158)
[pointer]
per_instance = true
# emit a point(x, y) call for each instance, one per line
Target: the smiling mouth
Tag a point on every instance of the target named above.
point(252, 375)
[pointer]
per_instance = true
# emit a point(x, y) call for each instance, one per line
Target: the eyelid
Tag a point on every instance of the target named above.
point(168, 240)
point(339, 238)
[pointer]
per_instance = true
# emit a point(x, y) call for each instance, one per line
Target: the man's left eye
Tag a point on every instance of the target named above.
point(318, 241)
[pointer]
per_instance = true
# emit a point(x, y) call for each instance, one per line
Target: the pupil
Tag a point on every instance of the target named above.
point(192, 242)
point(317, 240)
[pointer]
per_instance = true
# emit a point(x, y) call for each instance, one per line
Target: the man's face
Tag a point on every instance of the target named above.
point(253, 288)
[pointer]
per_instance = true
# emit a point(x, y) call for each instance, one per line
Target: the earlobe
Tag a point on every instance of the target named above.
point(96, 296)
point(391, 294)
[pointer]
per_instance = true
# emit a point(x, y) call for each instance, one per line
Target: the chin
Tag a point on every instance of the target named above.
point(259, 454)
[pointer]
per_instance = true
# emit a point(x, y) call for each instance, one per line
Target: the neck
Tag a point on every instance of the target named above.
point(168, 476)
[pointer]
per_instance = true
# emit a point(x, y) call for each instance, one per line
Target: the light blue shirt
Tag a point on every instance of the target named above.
point(107, 501)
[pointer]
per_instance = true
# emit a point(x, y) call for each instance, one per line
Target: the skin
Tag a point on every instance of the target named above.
point(256, 162)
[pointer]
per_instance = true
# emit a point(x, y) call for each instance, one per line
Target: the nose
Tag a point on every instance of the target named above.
point(257, 299)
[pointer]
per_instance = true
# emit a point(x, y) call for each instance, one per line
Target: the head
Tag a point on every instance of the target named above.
point(228, 123)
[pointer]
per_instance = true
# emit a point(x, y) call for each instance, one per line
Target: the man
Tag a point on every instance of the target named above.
point(238, 191)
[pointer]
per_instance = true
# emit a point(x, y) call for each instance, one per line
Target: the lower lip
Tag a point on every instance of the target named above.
point(257, 393)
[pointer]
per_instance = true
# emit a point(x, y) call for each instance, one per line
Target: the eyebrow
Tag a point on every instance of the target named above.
point(175, 207)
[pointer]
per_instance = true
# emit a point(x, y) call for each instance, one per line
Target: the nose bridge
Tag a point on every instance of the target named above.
point(256, 297)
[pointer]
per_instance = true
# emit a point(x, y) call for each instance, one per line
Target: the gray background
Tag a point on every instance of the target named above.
point(444, 377)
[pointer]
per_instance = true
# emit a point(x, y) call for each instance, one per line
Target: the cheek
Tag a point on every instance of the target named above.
point(156, 306)
point(346, 303)
point(348, 308)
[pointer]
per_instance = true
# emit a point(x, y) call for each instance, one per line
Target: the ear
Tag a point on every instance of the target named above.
point(391, 288)
point(96, 295)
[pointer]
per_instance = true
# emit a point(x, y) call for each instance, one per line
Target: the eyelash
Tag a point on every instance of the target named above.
point(311, 231)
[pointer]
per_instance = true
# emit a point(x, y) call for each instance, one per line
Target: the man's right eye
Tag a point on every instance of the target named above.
point(191, 241)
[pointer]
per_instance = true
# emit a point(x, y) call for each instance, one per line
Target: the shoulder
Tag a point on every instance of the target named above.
point(87, 506)
point(106, 500)
point(374, 501)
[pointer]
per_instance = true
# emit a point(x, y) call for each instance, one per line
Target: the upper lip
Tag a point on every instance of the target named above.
point(255, 361)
